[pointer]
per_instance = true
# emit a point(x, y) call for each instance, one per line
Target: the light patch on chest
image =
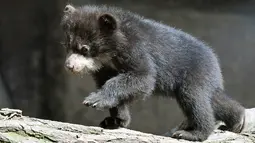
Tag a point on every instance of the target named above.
point(80, 64)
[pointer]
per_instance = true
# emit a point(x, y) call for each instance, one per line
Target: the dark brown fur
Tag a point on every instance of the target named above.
point(139, 56)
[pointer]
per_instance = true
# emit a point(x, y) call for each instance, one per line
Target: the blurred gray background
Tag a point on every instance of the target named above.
point(32, 76)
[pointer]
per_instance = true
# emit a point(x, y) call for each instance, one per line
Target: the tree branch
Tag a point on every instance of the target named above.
point(16, 128)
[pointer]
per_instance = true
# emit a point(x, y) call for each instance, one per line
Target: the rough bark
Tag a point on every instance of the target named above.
point(16, 128)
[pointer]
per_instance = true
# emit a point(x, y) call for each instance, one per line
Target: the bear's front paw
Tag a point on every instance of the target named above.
point(111, 123)
point(99, 101)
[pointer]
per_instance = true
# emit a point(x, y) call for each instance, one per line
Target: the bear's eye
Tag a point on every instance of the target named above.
point(84, 49)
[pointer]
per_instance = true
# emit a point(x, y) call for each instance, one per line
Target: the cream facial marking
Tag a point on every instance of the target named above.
point(80, 64)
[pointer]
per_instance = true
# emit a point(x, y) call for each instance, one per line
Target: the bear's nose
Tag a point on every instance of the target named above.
point(69, 66)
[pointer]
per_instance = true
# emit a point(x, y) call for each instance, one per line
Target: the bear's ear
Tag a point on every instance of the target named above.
point(69, 9)
point(107, 23)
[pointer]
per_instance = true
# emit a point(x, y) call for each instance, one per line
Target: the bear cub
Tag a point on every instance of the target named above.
point(131, 57)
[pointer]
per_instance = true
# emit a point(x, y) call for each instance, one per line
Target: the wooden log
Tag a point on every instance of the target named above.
point(16, 128)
